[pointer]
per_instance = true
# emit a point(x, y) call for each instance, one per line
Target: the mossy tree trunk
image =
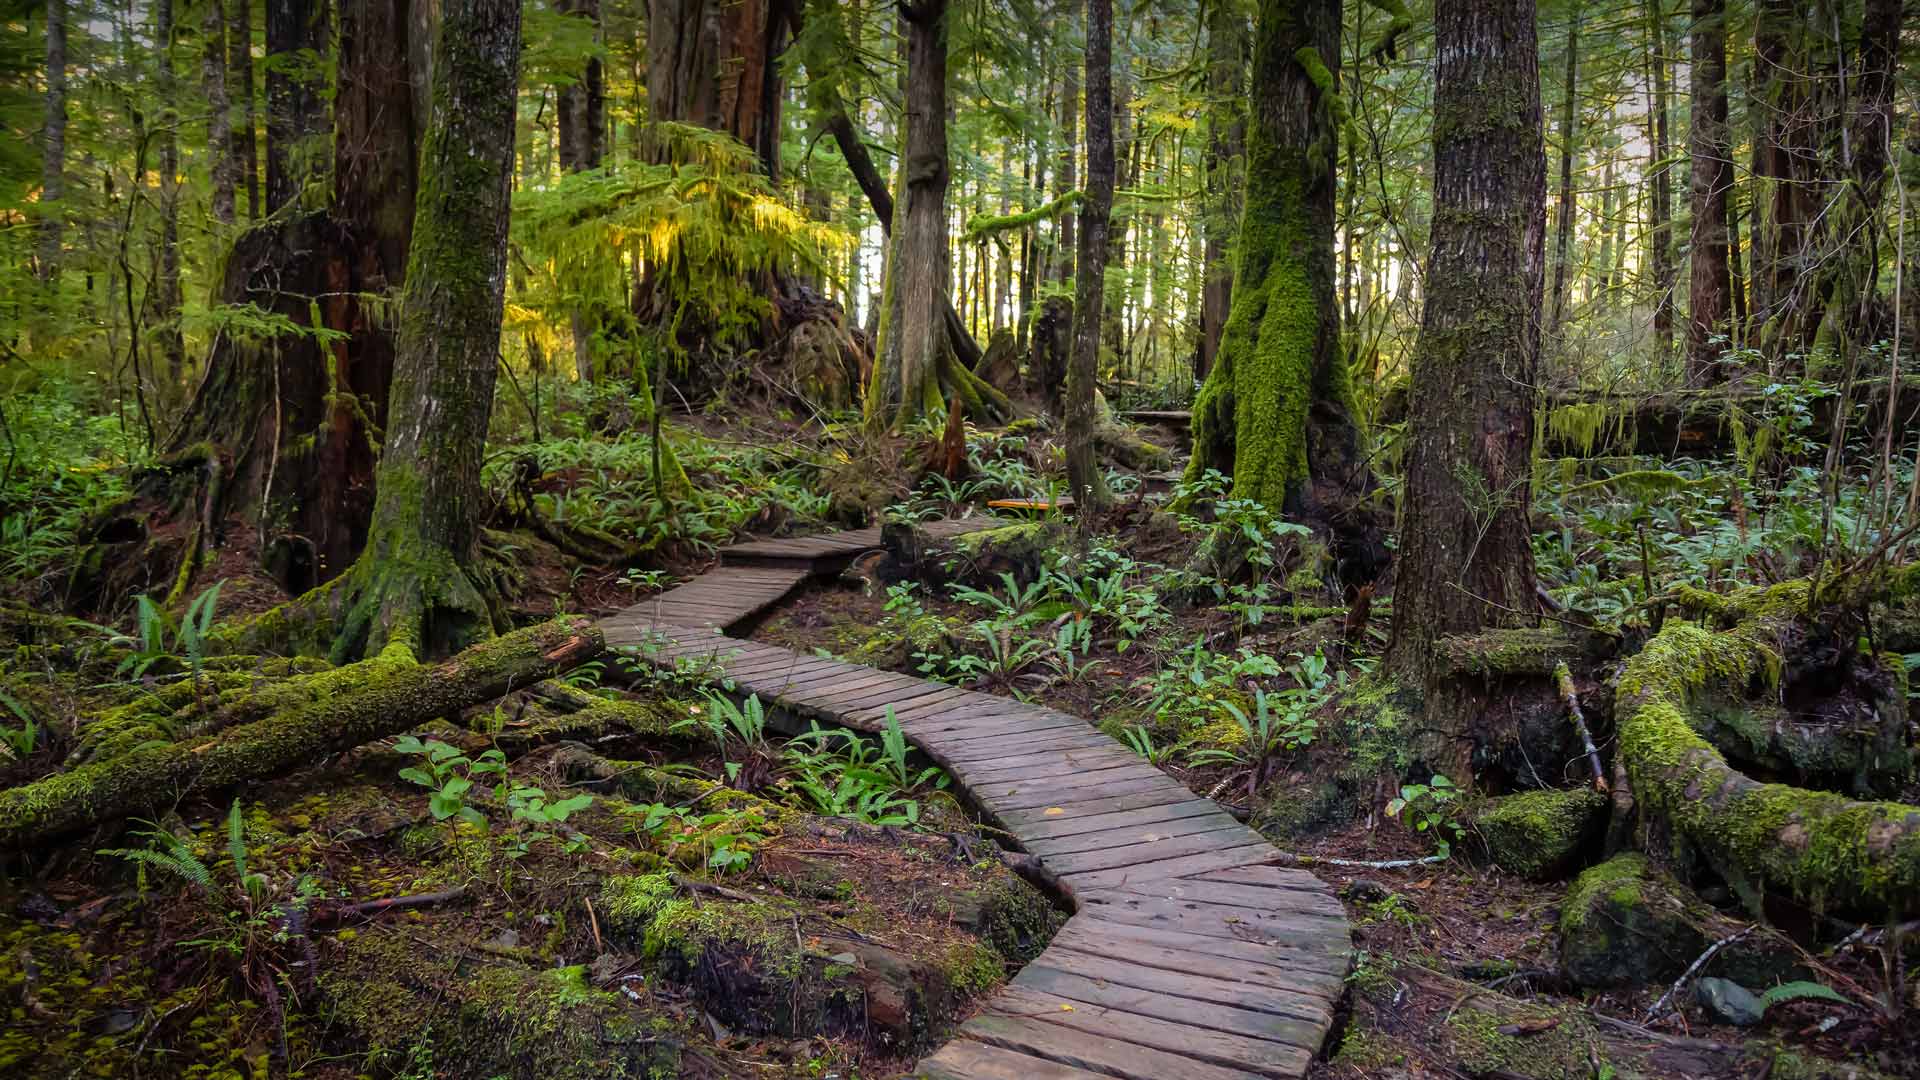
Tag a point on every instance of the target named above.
point(1276, 411)
point(1710, 283)
point(1084, 478)
point(294, 415)
point(716, 64)
point(296, 102)
point(412, 583)
point(1466, 559)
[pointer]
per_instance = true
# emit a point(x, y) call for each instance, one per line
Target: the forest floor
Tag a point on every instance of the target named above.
point(666, 922)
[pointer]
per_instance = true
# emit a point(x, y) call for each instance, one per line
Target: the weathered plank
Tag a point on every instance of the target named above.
point(1262, 1057)
point(1102, 1052)
point(964, 1059)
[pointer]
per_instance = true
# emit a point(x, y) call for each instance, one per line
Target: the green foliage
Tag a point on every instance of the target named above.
point(449, 775)
point(159, 642)
point(1429, 808)
point(17, 744)
point(1802, 991)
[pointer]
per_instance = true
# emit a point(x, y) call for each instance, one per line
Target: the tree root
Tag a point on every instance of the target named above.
point(1817, 846)
point(395, 694)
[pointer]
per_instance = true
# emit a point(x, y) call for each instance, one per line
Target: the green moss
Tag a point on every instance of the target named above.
point(1540, 834)
point(631, 901)
point(1566, 1050)
point(981, 227)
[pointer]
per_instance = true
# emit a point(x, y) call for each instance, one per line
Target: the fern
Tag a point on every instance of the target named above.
point(168, 853)
point(1802, 991)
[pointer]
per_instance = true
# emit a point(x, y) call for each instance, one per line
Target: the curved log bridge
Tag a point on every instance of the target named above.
point(1819, 847)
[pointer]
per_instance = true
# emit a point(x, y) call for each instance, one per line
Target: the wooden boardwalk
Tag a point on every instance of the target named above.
point(1188, 957)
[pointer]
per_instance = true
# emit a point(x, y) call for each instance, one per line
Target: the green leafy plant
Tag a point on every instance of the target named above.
point(17, 744)
point(1140, 741)
point(449, 776)
point(1428, 808)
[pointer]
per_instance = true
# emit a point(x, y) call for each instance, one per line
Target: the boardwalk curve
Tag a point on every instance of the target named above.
point(1189, 956)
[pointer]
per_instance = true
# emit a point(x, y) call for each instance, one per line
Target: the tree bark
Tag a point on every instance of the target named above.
point(1225, 43)
point(240, 94)
point(1276, 411)
point(1466, 558)
point(1709, 293)
point(213, 82)
point(412, 582)
point(164, 300)
point(1782, 152)
point(1064, 174)
point(1084, 479)
point(295, 418)
point(1660, 178)
point(398, 694)
point(1569, 132)
point(581, 111)
point(716, 64)
point(296, 107)
point(53, 145)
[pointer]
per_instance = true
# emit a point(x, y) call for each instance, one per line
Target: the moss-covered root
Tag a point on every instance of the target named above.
point(1820, 847)
point(396, 694)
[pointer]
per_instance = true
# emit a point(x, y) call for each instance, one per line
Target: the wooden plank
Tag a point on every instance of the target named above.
point(1227, 894)
point(1174, 867)
point(1057, 762)
point(868, 684)
point(1063, 826)
point(1193, 1002)
point(1022, 743)
point(1219, 838)
point(940, 697)
point(1263, 1057)
point(1030, 797)
point(1304, 958)
point(875, 715)
point(964, 1059)
point(1273, 998)
point(817, 673)
point(1152, 832)
point(1103, 1052)
point(1097, 898)
point(973, 722)
point(1269, 877)
point(1017, 819)
point(1064, 786)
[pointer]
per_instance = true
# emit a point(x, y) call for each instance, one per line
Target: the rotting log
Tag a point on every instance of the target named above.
point(396, 695)
point(1822, 848)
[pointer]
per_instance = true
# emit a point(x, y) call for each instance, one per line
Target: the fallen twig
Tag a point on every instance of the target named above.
point(370, 908)
point(1570, 697)
point(1660, 1006)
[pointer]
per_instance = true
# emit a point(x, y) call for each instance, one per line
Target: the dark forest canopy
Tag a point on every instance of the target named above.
point(580, 538)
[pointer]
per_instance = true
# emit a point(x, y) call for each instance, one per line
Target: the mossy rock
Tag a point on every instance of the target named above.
point(858, 491)
point(1539, 835)
point(1627, 923)
point(978, 559)
point(419, 1006)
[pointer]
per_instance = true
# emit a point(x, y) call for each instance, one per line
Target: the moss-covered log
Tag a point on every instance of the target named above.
point(1822, 848)
point(396, 695)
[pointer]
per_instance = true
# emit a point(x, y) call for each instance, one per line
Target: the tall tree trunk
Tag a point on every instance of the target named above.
point(296, 104)
point(164, 301)
point(240, 94)
point(1277, 411)
point(716, 64)
point(53, 144)
point(1564, 213)
point(213, 83)
point(1116, 272)
point(1466, 555)
point(1660, 177)
point(1783, 200)
point(580, 116)
point(1709, 292)
point(412, 584)
point(295, 419)
point(1087, 483)
point(914, 343)
point(1064, 178)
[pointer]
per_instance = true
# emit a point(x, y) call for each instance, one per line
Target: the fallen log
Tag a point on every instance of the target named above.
point(395, 696)
point(1821, 848)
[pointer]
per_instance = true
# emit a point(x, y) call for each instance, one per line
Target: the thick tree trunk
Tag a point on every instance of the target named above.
point(1087, 484)
point(397, 694)
point(296, 104)
point(1466, 557)
point(1709, 293)
point(1564, 212)
point(213, 83)
point(412, 583)
point(1276, 411)
point(716, 64)
point(1225, 43)
point(293, 417)
point(240, 97)
point(53, 144)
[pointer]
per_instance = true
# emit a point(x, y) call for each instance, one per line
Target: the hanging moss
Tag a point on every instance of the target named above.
point(983, 226)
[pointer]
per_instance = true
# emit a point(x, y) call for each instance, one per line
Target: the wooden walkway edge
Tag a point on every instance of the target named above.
point(1188, 957)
